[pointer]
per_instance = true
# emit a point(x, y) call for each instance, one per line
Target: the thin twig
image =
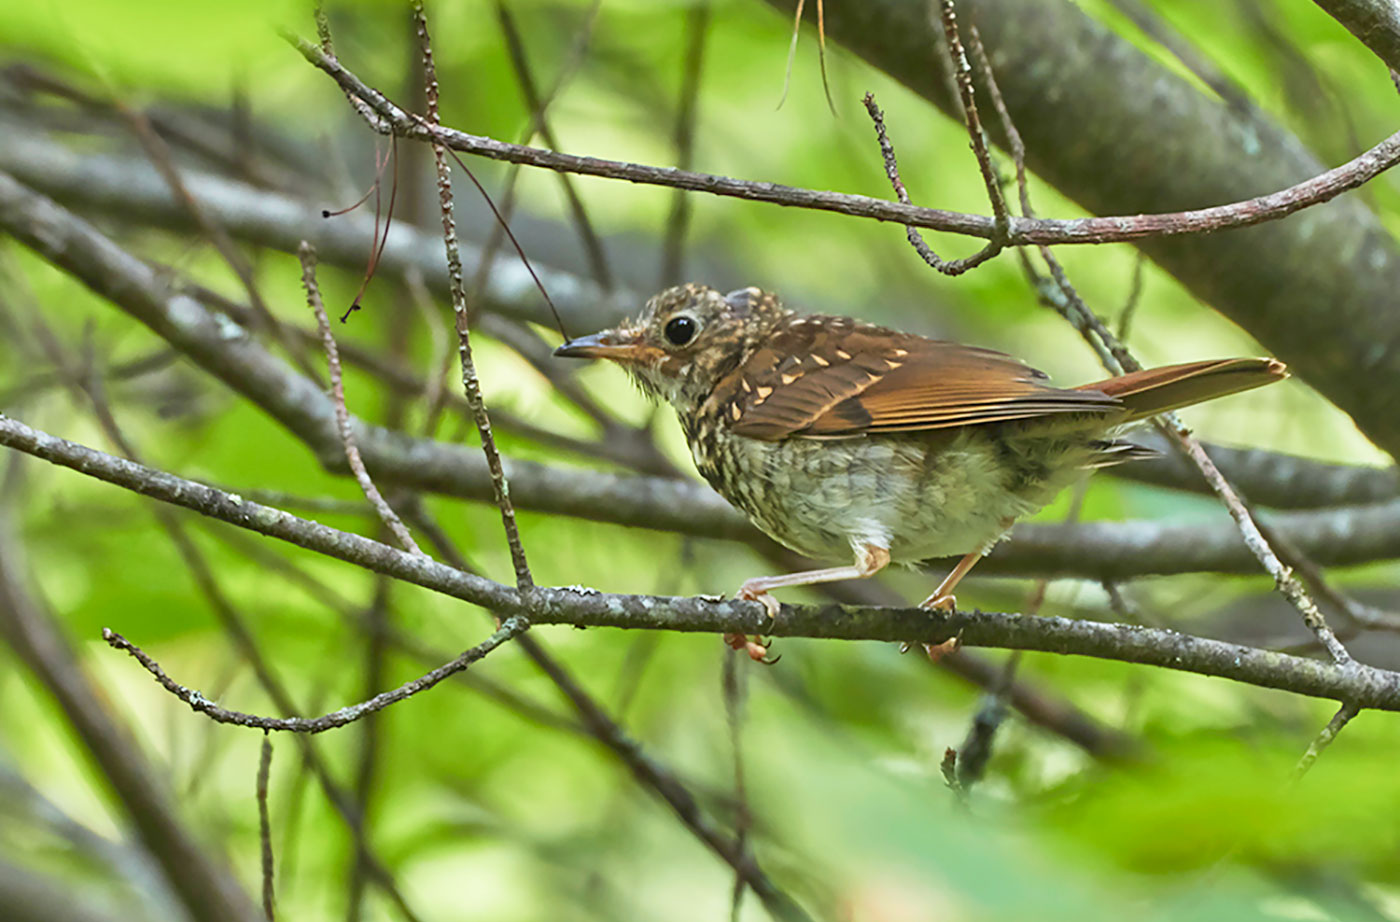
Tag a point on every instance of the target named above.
point(386, 514)
point(470, 383)
point(385, 116)
point(962, 74)
point(1288, 584)
point(265, 827)
point(509, 629)
point(323, 28)
point(916, 239)
point(792, 51)
point(1325, 738)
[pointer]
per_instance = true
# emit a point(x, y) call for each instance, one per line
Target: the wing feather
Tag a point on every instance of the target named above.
point(831, 378)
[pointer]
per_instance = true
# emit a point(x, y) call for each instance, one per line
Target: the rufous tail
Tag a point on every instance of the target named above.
point(1156, 390)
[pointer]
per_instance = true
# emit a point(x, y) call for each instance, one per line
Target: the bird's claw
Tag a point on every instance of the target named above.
point(755, 647)
point(771, 605)
point(947, 602)
point(936, 651)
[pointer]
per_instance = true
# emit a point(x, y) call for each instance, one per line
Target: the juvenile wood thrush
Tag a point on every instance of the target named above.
point(842, 439)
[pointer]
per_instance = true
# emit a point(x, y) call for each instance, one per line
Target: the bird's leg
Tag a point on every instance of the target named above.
point(943, 597)
point(944, 600)
point(870, 559)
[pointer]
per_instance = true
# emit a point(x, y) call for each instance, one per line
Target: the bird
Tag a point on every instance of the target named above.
point(844, 440)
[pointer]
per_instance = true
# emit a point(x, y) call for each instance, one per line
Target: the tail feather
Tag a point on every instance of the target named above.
point(1110, 452)
point(1156, 390)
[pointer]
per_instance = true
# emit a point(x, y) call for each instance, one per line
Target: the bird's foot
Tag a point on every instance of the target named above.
point(940, 602)
point(936, 651)
point(754, 646)
point(753, 591)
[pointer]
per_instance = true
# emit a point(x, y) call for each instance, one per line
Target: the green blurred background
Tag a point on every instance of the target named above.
point(483, 814)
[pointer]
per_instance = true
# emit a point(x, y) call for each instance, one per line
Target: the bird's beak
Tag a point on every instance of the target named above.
point(617, 345)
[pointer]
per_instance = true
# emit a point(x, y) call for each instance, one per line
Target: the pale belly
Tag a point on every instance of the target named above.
point(821, 498)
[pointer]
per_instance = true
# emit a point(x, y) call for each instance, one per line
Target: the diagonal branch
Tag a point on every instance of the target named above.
point(1325, 738)
point(387, 515)
point(1376, 23)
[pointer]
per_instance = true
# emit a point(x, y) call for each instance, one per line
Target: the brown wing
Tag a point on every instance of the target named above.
point(830, 377)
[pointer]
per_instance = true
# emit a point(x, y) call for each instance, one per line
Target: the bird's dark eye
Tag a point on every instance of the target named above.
point(680, 330)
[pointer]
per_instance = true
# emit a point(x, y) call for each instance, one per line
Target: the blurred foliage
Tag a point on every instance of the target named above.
point(485, 815)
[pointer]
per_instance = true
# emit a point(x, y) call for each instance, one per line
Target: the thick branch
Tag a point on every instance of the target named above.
point(1359, 685)
point(132, 190)
point(1375, 22)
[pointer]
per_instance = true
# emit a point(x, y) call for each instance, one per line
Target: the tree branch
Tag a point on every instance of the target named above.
point(1360, 685)
point(509, 629)
point(1376, 23)
point(471, 384)
point(1021, 231)
point(125, 189)
point(1095, 550)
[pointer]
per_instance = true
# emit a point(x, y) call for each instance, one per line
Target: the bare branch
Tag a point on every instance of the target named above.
point(1021, 232)
point(1325, 738)
point(916, 240)
point(470, 383)
point(1376, 23)
point(307, 254)
point(509, 629)
point(1288, 584)
point(1364, 686)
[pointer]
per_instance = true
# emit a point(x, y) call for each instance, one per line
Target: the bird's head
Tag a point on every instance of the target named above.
point(685, 340)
